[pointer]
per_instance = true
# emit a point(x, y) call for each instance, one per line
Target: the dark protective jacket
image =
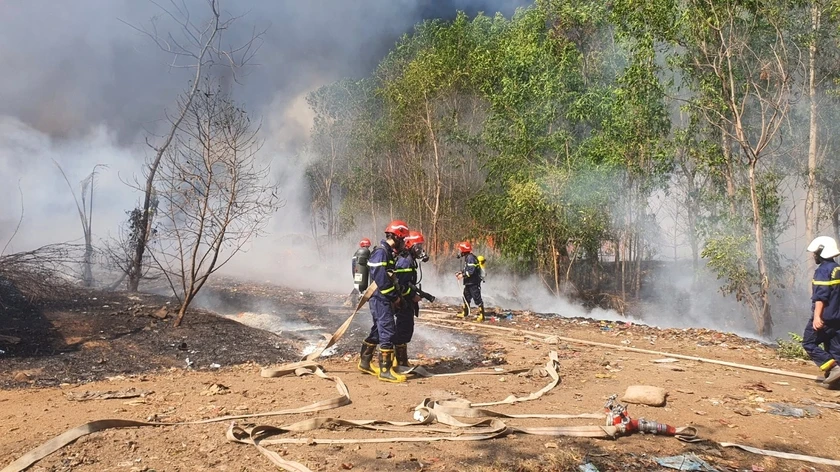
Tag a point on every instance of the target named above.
point(381, 265)
point(406, 270)
point(826, 289)
point(472, 276)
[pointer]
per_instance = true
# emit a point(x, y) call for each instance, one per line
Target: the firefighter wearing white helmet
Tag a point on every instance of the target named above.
point(821, 339)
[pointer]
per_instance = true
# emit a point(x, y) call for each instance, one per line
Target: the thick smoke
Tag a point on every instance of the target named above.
point(82, 87)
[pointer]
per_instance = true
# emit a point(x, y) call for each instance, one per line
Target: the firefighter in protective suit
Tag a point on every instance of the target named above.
point(470, 275)
point(384, 303)
point(406, 271)
point(821, 339)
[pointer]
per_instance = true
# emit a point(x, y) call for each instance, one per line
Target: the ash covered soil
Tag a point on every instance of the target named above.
point(91, 342)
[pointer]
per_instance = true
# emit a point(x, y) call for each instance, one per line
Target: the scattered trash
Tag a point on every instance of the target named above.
point(588, 467)
point(645, 395)
point(832, 405)
point(550, 445)
point(189, 362)
point(784, 409)
point(666, 360)
point(215, 366)
point(92, 395)
point(688, 462)
point(2, 352)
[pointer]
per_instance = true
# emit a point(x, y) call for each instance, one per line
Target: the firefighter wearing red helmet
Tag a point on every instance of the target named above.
point(384, 303)
point(470, 275)
point(407, 265)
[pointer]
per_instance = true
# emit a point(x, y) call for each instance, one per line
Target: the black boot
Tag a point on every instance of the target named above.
point(401, 353)
point(386, 367)
point(366, 357)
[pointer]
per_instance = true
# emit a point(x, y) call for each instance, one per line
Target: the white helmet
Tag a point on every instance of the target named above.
point(825, 243)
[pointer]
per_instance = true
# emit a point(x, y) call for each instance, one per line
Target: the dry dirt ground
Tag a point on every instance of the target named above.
point(97, 342)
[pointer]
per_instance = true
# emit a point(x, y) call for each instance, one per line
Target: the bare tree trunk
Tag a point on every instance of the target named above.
point(763, 320)
point(728, 173)
point(810, 188)
point(435, 208)
point(136, 268)
point(555, 259)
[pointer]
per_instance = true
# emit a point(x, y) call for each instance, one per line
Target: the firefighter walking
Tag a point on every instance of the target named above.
point(821, 339)
point(470, 275)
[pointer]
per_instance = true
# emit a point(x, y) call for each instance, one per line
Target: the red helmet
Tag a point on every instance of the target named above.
point(465, 247)
point(414, 237)
point(365, 242)
point(398, 228)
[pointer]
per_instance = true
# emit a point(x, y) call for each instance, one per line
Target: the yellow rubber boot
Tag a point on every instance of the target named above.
point(465, 310)
point(480, 317)
point(386, 367)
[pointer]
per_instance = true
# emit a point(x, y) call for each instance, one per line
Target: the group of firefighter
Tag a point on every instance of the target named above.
point(394, 266)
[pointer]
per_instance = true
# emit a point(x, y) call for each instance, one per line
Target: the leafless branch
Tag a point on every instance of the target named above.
point(17, 227)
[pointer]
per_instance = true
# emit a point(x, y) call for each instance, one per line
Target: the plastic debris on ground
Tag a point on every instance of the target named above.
point(784, 409)
point(588, 467)
point(688, 462)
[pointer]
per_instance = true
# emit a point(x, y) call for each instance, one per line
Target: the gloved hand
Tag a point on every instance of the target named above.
point(397, 303)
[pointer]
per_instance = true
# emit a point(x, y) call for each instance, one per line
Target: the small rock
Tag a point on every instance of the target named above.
point(551, 445)
point(161, 313)
point(21, 377)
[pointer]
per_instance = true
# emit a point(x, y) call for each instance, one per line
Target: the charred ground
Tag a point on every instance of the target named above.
point(95, 341)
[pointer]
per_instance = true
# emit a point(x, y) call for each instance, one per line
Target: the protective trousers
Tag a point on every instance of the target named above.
point(405, 323)
point(384, 326)
point(473, 292)
point(823, 345)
